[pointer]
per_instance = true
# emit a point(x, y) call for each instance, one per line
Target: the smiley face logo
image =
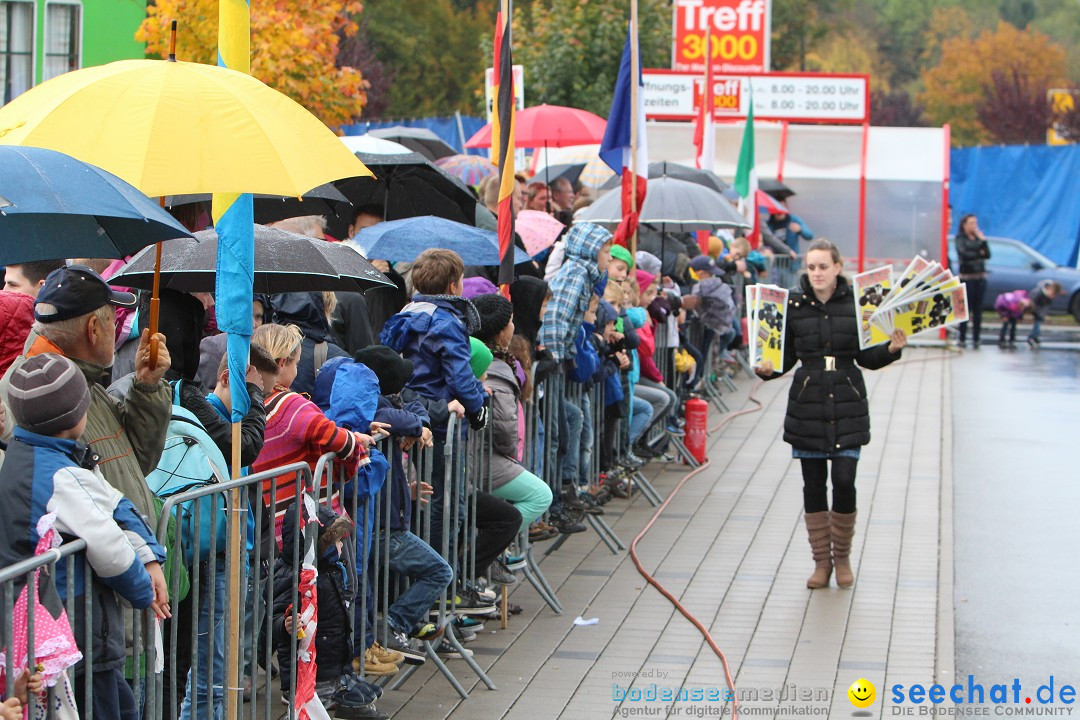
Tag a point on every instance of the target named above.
point(862, 693)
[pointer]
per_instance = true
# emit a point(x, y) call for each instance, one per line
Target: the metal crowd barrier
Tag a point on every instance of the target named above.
point(189, 626)
point(465, 468)
point(21, 574)
point(784, 270)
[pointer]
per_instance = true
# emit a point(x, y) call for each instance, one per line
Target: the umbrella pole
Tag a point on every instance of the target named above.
point(236, 559)
point(155, 298)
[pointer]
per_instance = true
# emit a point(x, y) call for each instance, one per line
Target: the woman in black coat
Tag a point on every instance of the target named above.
point(828, 416)
point(972, 251)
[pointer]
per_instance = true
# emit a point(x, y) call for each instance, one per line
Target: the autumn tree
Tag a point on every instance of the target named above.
point(895, 109)
point(955, 88)
point(294, 48)
point(571, 49)
point(1014, 110)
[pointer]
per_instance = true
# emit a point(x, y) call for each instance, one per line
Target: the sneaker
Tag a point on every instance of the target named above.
point(566, 524)
point(351, 691)
point(427, 631)
point(465, 636)
point(397, 642)
point(619, 489)
point(591, 506)
point(448, 652)
point(468, 624)
point(467, 607)
point(386, 657)
point(286, 698)
point(379, 669)
point(359, 711)
point(500, 575)
point(480, 597)
point(514, 562)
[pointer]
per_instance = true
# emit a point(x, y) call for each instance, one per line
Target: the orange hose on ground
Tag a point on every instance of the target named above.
point(664, 591)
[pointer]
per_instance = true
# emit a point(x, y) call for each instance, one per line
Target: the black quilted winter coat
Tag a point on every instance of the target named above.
point(827, 409)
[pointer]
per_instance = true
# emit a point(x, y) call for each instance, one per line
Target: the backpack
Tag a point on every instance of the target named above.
point(190, 460)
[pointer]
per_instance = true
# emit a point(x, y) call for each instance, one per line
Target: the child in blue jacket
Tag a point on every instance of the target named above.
point(47, 470)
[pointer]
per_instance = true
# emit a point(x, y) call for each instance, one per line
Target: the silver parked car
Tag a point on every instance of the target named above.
point(1015, 266)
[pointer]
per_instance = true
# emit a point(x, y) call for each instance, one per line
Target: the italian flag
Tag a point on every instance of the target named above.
point(746, 179)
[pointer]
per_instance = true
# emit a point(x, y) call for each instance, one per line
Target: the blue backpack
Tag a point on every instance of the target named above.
point(190, 460)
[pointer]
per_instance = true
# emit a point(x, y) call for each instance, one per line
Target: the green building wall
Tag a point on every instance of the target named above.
point(108, 32)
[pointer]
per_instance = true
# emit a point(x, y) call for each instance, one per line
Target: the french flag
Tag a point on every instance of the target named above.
point(617, 148)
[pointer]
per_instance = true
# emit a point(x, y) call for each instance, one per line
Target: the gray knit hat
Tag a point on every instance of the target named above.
point(48, 394)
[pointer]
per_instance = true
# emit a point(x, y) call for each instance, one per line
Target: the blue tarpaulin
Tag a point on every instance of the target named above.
point(445, 127)
point(1029, 193)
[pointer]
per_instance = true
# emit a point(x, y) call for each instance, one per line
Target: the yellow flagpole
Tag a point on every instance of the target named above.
point(234, 52)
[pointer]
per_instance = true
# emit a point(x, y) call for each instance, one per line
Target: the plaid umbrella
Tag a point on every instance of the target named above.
point(469, 168)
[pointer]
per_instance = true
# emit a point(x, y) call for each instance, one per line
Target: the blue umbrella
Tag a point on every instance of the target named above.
point(61, 207)
point(404, 240)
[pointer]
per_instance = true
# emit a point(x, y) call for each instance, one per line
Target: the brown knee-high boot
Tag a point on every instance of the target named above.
point(817, 528)
point(843, 530)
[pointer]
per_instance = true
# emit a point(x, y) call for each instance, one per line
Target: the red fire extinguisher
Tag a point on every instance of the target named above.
point(697, 427)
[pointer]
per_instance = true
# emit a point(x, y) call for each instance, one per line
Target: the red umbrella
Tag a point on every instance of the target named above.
point(767, 202)
point(548, 126)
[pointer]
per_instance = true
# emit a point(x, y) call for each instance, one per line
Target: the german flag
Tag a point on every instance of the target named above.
point(502, 145)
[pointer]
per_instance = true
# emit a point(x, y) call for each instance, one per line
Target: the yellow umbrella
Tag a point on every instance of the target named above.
point(172, 128)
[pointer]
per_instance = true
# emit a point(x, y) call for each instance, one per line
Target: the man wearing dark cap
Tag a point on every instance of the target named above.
point(74, 316)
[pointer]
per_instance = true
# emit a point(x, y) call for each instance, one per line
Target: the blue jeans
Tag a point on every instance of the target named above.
point(254, 614)
point(415, 559)
point(571, 420)
point(640, 417)
point(1036, 327)
point(587, 439)
point(209, 621)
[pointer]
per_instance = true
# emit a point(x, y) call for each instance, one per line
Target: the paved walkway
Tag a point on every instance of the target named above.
point(733, 548)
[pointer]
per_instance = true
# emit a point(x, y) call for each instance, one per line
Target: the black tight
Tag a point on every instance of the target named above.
point(815, 473)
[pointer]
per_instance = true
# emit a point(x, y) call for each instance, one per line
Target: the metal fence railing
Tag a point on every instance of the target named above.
point(179, 667)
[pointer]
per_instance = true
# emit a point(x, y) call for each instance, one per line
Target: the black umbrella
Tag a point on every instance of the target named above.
point(777, 189)
point(680, 172)
point(419, 140)
point(407, 186)
point(570, 171)
point(323, 200)
point(284, 262)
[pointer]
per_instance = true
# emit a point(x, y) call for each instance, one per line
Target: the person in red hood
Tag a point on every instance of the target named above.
point(16, 318)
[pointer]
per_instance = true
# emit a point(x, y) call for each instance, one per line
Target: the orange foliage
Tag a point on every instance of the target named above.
point(294, 48)
point(961, 80)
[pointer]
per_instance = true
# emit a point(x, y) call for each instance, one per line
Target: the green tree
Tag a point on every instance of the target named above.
point(798, 26)
point(571, 49)
point(434, 51)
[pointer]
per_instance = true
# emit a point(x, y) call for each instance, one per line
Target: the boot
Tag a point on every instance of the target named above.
point(817, 528)
point(843, 529)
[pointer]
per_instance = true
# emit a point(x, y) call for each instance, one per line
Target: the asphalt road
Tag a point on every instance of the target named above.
point(1016, 429)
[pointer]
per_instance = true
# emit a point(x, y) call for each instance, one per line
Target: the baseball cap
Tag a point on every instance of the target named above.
point(76, 290)
point(704, 262)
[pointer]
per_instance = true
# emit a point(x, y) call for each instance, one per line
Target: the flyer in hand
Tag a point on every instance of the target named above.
point(871, 290)
point(926, 296)
point(767, 324)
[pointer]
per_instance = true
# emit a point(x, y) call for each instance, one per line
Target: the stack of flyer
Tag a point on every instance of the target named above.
point(766, 313)
point(926, 296)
